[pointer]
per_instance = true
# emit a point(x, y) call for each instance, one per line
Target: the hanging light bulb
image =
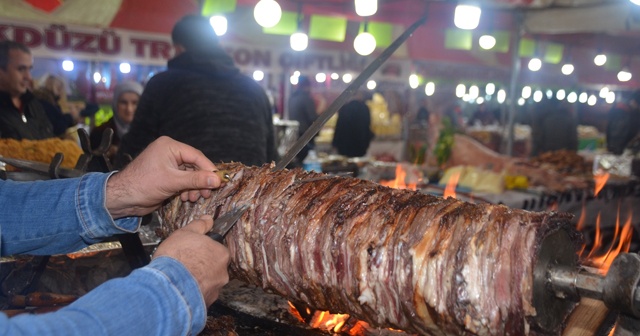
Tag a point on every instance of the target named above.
point(624, 75)
point(521, 101)
point(474, 91)
point(364, 43)
point(487, 42)
point(334, 76)
point(321, 77)
point(299, 41)
point(603, 92)
point(294, 80)
point(526, 92)
point(125, 67)
point(535, 64)
point(258, 75)
point(347, 78)
point(592, 100)
point(267, 13)
point(414, 81)
point(600, 59)
point(219, 24)
point(366, 7)
point(549, 94)
point(430, 89)
point(583, 97)
point(611, 97)
point(572, 97)
point(561, 94)
point(67, 65)
point(371, 84)
point(502, 96)
point(537, 96)
point(467, 16)
point(567, 69)
point(479, 100)
point(460, 90)
point(97, 77)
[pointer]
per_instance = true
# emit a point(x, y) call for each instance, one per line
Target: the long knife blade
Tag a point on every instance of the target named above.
point(40, 167)
point(346, 94)
point(224, 223)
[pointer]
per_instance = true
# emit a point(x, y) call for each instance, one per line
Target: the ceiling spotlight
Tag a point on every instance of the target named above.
point(267, 13)
point(430, 89)
point(567, 69)
point(366, 7)
point(371, 84)
point(299, 41)
point(467, 16)
point(535, 64)
point(600, 59)
point(487, 42)
point(624, 75)
point(219, 24)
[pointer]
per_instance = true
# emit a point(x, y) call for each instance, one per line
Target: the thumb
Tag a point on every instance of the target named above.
point(201, 225)
point(197, 179)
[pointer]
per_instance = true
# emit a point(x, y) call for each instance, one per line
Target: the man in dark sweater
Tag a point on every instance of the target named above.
point(21, 115)
point(353, 134)
point(203, 100)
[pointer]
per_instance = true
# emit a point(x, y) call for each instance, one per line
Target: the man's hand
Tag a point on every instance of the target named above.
point(165, 168)
point(206, 259)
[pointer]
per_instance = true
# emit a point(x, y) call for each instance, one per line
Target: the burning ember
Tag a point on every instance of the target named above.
point(400, 180)
point(600, 180)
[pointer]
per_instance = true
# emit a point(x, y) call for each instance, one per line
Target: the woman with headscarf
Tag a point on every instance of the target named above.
point(125, 101)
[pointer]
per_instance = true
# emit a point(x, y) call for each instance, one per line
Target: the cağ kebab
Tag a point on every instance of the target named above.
point(393, 258)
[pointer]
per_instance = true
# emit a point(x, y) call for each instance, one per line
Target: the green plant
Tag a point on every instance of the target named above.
point(444, 145)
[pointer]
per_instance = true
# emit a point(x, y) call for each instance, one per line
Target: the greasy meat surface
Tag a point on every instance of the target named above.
point(393, 258)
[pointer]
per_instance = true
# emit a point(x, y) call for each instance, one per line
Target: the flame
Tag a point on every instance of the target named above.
point(600, 180)
point(450, 189)
point(295, 312)
point(327, 321)
point(399, 182)
point(583, 215)
point(621, 243)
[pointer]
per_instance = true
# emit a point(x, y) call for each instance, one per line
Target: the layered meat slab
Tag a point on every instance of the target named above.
point(393, 258)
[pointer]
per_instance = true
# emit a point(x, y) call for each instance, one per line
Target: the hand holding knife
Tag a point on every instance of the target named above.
point(224, 223)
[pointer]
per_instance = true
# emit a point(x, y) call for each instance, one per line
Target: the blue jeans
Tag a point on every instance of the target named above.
point(60, 216)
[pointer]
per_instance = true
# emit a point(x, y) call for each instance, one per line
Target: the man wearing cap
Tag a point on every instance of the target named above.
point(203, 100)
point(21, 115)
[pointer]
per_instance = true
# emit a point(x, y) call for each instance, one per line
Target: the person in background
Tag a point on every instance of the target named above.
point(553, 128)
point(623, 124)
point(203, 100)
point(126, 96)
point(422, 117)
point(302, 108)
point(169, 296)
point(353, 134)
point(50, 93)
point(482, 117)
point(21, 114)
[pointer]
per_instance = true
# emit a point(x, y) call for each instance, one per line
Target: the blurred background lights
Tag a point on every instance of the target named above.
point(296, 73)
point(624, 76)
point(490, 89)
point(603, 92)
point(258, 75)
point(592, 100)
point(474, 91)
point(611, 97)
point(334, 76)
point(567, 69)
point(460, 90)
point(487, 42)
point(430, 89)
point(364, 44)
point(219, 24)
point(561, 94)
point(526, 92)
point(537, 96)
point(321, 77)
point(502, 96)
point(479, 100)
point(414, 81)
point(535, 64)
point(583, 97)
point(294, 80)
point(520, 101)
point(267, 13)
point(97, 77)
point(572, 97)
point(299, 41)
point(125, 67)
point(67, 65)
point(366, 7)
point(347, 78)
point(467, 16)
point(549, 94)
point(371, 84)
point(600, 59)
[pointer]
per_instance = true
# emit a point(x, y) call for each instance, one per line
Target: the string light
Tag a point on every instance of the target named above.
point(267, 13)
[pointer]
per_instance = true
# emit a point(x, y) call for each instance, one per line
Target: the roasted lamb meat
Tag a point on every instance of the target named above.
point(393, 258)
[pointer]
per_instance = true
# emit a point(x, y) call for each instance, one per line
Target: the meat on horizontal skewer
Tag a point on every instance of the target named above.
point(393, 258)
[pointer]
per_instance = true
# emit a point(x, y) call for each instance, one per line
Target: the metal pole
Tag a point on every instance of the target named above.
point(513, 87)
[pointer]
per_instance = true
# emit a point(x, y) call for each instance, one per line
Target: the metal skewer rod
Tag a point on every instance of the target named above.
point(346, 94)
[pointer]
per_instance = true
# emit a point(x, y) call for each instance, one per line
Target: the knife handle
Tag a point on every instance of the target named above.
point(216, 236)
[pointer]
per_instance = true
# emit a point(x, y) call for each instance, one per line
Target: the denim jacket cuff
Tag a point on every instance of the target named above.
point(187, 286)
point(92, 210)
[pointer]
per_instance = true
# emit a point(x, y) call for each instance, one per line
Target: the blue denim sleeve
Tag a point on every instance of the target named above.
point(162, 298)
point(56, 216)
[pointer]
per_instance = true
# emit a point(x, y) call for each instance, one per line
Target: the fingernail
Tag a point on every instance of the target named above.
point(209, 181)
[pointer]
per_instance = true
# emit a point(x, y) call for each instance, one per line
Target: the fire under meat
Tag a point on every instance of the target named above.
point(392, 258)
